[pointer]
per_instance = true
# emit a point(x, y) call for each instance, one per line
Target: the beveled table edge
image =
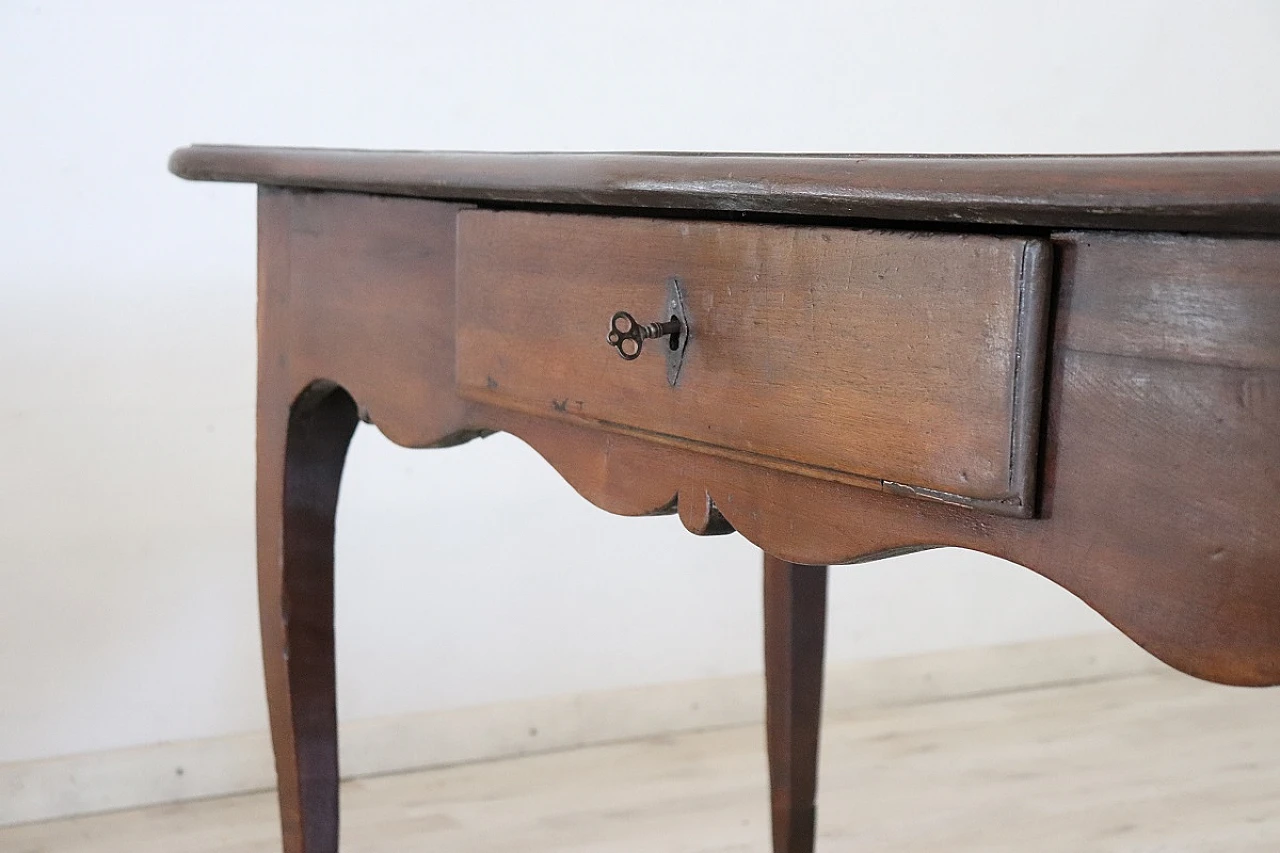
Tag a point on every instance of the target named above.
point(1214, 192)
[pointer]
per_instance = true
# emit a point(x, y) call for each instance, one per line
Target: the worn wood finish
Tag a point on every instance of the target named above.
point(1161, 482)
point(1196, 300)
point(1159, 461)
point(795, 625)
point(295, 560)
point(1160, 477)
point(304, 428)
point(1186, 192)
point(900, 360)
point(310, 263)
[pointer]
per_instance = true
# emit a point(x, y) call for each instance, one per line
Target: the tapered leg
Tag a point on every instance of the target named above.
point(301, 449)
point(795, 618)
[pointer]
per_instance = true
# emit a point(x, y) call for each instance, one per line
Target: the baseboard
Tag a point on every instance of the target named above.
point(172, 772)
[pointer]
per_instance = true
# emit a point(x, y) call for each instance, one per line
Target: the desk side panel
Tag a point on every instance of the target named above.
point(360, 292)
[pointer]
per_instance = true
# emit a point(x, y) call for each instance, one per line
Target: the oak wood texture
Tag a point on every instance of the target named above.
point(900, 360)
point(795, 622)
point(1159, 463)
point(1223, 192)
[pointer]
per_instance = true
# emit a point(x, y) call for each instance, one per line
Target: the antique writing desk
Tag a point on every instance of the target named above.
point(1071, 362)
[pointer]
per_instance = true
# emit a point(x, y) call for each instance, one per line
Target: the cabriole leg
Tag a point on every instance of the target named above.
point(301, 449)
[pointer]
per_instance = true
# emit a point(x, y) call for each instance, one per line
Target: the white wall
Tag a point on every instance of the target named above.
point(127, 611)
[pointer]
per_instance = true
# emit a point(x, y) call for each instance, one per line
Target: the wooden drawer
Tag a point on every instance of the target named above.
point(905, 361)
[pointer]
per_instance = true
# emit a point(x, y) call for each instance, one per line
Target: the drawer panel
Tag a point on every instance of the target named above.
point(897, 360)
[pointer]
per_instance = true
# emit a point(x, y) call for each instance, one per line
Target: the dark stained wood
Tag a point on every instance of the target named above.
point(867, 357)
point(1181, 192)
point(1159, 462)
point(304, 424)
point(1200, 300)
point(393, 349)
point(1159, 478)
point(302, 443)
point(795, 623)
point(295, 594)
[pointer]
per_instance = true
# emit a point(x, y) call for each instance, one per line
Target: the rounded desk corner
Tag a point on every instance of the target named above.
point(181, 161)
point(198, 162)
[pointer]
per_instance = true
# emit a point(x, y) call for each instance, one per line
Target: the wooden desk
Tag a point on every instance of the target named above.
point(1070, 362)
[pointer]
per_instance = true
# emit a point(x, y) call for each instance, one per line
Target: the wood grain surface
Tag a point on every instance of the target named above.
point(1159, 458)
point(309, 261)
point(1160, 477)
point(1222, 192)
point(795, 636)
point(861, 356)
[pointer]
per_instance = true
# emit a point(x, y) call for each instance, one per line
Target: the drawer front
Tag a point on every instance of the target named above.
point(897, 360)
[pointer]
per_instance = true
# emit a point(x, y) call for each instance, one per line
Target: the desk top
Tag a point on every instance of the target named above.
point(1218, 192)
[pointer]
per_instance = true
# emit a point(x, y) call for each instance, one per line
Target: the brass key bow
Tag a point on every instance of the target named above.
point(628, 337)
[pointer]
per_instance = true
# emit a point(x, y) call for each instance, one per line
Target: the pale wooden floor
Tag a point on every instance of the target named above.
point(1148, 763)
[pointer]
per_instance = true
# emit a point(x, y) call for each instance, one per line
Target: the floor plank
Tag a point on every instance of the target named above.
point(1135, 765)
